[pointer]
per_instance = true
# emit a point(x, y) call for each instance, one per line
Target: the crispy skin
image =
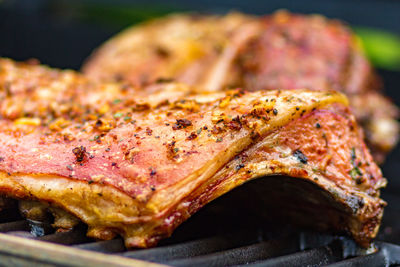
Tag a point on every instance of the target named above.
point(279, 51)
point(136, 165)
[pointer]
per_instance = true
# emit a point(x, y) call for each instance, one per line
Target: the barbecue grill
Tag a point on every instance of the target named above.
point(218, 235)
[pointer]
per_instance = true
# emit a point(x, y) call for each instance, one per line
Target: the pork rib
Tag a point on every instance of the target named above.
point(138, 166)
point(279, 51)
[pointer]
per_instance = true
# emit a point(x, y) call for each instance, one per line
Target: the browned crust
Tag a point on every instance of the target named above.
point(108, 211)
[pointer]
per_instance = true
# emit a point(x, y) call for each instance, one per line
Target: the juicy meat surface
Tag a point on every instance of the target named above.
point(139, 165)
point(283, 50)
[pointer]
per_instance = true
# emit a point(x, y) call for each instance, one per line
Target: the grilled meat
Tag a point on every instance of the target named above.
point(138, 165)
point(279, 51)
point(196, 50)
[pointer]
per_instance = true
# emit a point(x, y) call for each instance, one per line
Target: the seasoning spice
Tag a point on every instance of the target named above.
point(181, 123)
point(152, 171)
point(300, 156)
point(239, 166)
point(80, 153)
point(355, 173)
point(192, 136)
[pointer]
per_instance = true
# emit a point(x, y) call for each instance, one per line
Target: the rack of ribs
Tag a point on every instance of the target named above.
point(137, 163)
point(282, 50)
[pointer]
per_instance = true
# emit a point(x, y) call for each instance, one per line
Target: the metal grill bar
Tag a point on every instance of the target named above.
point(66, 238)
point(262, 246)
point(14, 226)
point(194, 248)
point(109, 246)
point(314, 257)
point(376, 259)
point(21, 234)
point(242, 255)
point(388, 255)
point(228, 250)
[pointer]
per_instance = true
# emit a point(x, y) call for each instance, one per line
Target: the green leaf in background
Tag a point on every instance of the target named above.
point(116, 16)
point(381, 47)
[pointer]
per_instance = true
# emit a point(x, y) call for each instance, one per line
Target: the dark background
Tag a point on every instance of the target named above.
point(63, 33)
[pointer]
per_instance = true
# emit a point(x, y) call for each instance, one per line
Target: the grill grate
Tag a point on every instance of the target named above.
point(258, 246)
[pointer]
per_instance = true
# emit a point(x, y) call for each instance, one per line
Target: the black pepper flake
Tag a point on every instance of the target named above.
point(317, 125)
point(80, 153)
point(108, 149)
point(153, 172)
point(181, 123)
point(275, 111)
point(300, 156)
point(153, 188)
point(69, 167)
point(90, 182)
point(239, 166)
point(297, 108)
point(113, 164)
